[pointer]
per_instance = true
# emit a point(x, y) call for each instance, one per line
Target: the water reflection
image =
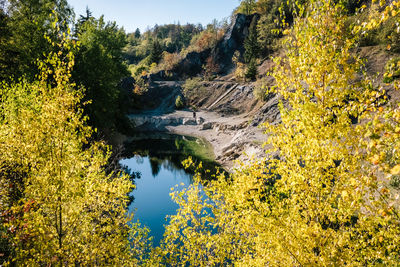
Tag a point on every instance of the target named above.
point(158, 160)
point(152, 201)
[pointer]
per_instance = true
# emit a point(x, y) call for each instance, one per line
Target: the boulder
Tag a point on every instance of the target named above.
point(207, 126)
point(199, 120)
point(189, 121)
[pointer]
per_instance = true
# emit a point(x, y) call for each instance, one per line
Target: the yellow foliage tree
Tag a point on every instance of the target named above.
point(70, 211)
point(326, 200)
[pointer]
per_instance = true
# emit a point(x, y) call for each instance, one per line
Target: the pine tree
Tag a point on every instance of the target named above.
point(251, 45)
point(137, 33)
point(155, 51)
point(251, 72)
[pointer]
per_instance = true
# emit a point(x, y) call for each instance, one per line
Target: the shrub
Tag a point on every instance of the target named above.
point(389, 35)
point(179, 102)
point(211, 68)
point(169, 62)
point(240, 71)
point(395, 181)
point(204, 40)
point(141, 86)
point(260, 90)
point(392, 70)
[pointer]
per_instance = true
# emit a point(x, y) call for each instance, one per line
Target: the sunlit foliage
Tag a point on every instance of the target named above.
point(326, 200)
point(62, 208)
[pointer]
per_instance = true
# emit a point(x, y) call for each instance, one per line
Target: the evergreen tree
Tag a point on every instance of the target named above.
point(82, 20)
point(251, 45)
point(156, 51)
point(137, 33)
point(247, 7)
point(251, 72)
point(100, 68)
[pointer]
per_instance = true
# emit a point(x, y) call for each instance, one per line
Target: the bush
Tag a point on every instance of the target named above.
point(392, 70)
point(240, 71)
point(211, 68)
point(389, 35)
point(179, 102)
point(260, 90)
point(395, 181)
point(169, 62)
point(140, 87)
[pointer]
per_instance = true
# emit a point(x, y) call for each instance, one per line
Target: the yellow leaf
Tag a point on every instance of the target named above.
point(395, 170)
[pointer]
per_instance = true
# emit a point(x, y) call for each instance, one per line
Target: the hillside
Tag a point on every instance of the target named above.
point(231, 110)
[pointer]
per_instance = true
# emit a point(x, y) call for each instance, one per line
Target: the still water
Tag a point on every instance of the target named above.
point(152, 201)
point(158, 164)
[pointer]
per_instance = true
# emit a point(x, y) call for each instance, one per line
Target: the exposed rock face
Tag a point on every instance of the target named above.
point(192, 64)
point(160, 97)
point(233, 40)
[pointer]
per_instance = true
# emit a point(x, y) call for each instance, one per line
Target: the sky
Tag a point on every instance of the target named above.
point(132, 14)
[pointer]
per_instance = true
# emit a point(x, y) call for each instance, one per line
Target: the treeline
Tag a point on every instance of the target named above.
point(162, 47)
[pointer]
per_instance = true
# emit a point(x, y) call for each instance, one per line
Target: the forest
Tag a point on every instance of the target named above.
point(330, 198)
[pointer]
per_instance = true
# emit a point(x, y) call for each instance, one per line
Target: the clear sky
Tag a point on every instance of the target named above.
point(132, 14)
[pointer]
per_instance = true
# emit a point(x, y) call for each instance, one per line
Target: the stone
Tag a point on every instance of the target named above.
point(199, 120)
point(207, 126)
point(189, 121)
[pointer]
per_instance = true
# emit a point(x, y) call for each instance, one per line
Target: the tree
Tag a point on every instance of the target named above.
point(82, 20)
point(324, 201)
point(137, 33)
point(251, 72)
point(28, 21)
point(156, 51)
point(251, 46)
point(247, 7)
point(100, 68)
point(70, 211)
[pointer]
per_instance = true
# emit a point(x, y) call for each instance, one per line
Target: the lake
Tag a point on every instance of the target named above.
point(157, 159)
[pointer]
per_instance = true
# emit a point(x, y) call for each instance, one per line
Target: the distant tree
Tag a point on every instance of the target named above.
point(179, 102)
point(82, 20)
point(247, 7)
point(155, 51)
point(251, 45)
point(251, 71)
point(137, 33)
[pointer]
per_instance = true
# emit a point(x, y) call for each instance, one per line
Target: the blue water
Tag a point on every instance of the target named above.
point(152, 201)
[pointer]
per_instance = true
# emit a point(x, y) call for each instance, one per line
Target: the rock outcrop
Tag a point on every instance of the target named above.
point(233, 41)
point(192, 64)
